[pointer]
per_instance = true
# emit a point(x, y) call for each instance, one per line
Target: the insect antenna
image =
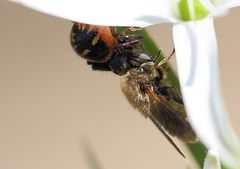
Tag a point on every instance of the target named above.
point(157, 58)
point(159, 62)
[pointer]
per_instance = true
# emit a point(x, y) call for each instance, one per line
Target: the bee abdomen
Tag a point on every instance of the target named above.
point(93, 43)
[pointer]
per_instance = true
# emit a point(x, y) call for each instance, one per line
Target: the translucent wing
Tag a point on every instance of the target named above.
point(170, 117)
point(158, 125)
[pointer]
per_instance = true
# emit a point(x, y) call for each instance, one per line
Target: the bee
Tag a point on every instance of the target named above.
point(148, 91)
point(143, 79)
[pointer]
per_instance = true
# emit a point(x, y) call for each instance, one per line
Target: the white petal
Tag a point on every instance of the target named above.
point(227, 3)
point(104, 12)
point(191, 8)
point(225, 132)
point(196, 50)
point(219, 7)
point(212, 161)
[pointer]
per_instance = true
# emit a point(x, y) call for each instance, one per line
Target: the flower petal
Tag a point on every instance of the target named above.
point(219, 7)
point(212, 161)
point(105, 12)
point(196, 50)
point(225, 132)
point(227, 4)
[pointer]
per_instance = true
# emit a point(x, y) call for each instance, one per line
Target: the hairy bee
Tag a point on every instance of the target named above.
point(148, 91)
point(143, 79)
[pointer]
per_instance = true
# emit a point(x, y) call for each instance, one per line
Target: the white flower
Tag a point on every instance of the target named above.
point(196, 51)
point(212, 161)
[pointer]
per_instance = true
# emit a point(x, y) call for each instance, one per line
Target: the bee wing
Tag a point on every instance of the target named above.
point(166, 135)
point(163, 115)
point(169, 117)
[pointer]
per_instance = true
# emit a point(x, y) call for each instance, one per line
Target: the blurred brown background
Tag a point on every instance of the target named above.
point(52, 103)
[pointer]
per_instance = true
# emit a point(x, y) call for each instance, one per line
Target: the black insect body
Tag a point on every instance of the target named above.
point(105, 49)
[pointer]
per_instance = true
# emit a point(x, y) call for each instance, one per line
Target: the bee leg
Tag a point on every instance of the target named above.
point(167, 91)
point(128, 38)
point(175, 96)
point(99, 66)
point(125, 35)
point(130, 45)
